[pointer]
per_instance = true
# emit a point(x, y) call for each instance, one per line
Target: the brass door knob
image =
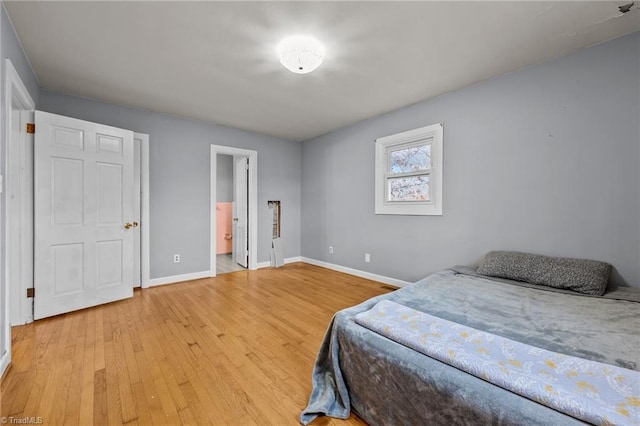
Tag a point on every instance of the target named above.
point(127, 225)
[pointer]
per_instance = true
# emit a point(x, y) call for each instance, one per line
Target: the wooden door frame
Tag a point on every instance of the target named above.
point(18, 100)
point(252, 221)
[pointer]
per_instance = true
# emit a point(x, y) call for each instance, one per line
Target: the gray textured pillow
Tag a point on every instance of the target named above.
point(581, 275)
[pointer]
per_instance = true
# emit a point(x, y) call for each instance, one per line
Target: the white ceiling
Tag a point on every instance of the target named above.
point(216, 61)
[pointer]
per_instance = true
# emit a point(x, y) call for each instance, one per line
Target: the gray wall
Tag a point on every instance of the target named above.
point(179, 179)
point(12, 49)
point(545, 160)
point(224, 173)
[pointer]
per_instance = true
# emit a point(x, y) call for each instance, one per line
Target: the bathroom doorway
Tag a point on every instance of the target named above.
point(227, 207)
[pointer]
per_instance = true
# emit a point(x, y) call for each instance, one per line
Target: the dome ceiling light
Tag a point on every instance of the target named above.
point(300, 54)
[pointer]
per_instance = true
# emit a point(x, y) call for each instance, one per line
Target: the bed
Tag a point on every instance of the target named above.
point(388, 383)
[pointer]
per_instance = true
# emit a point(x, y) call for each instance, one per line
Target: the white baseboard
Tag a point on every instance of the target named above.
point(368, 275)
point(178, 278)
point(206, 274)
point(287, 260)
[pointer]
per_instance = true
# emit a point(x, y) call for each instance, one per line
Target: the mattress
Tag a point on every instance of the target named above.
point(387, 383)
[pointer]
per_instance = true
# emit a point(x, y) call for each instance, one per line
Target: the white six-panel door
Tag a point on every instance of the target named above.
point(240, 193)
point(83, 252)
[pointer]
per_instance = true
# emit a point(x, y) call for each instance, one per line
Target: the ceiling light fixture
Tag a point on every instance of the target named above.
point(300, 54)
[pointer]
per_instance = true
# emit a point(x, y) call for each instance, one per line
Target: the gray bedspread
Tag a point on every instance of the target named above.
point(389, 384)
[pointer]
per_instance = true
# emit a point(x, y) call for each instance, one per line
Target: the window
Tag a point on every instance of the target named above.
point(409, 172)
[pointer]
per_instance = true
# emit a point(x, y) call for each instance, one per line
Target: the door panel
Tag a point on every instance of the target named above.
point(68, 276)
point(67, 137)
point(67, 193)
point(109, 193)
point(109, 144)
point(83, 198)
point(109, 263)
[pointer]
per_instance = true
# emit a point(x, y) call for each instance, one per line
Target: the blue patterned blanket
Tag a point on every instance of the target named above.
point(592, 391)
point(386, 382)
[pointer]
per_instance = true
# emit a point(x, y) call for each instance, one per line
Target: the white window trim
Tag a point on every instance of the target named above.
point(398, 140)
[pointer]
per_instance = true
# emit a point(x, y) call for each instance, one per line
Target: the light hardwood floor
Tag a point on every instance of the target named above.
point(237, 349)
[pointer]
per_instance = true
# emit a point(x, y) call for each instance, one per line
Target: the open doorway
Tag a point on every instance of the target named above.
point(226, 219)
point(233, 209)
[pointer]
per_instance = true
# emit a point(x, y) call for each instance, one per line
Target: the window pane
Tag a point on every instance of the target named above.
point(414, 188)
point(410, 159)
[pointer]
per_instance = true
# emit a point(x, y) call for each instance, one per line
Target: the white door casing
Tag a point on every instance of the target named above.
point(240, 205)
point(137, 153)
point(83, 199)
point(143, 229)
point(16, 237)
point(19, 231)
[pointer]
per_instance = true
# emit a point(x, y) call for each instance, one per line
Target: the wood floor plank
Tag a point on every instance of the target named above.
point(74, 394)
point(55, 382)
point(86, 402)
point(101, 404)
point(235, 349)
point(150, 401)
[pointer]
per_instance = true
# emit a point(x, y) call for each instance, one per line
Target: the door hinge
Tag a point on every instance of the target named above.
point(31, 292)
point(31, 128)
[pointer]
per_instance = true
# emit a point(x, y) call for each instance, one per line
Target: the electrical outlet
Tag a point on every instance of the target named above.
point(367, 257)
point(176, 258)
point(330, 249)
